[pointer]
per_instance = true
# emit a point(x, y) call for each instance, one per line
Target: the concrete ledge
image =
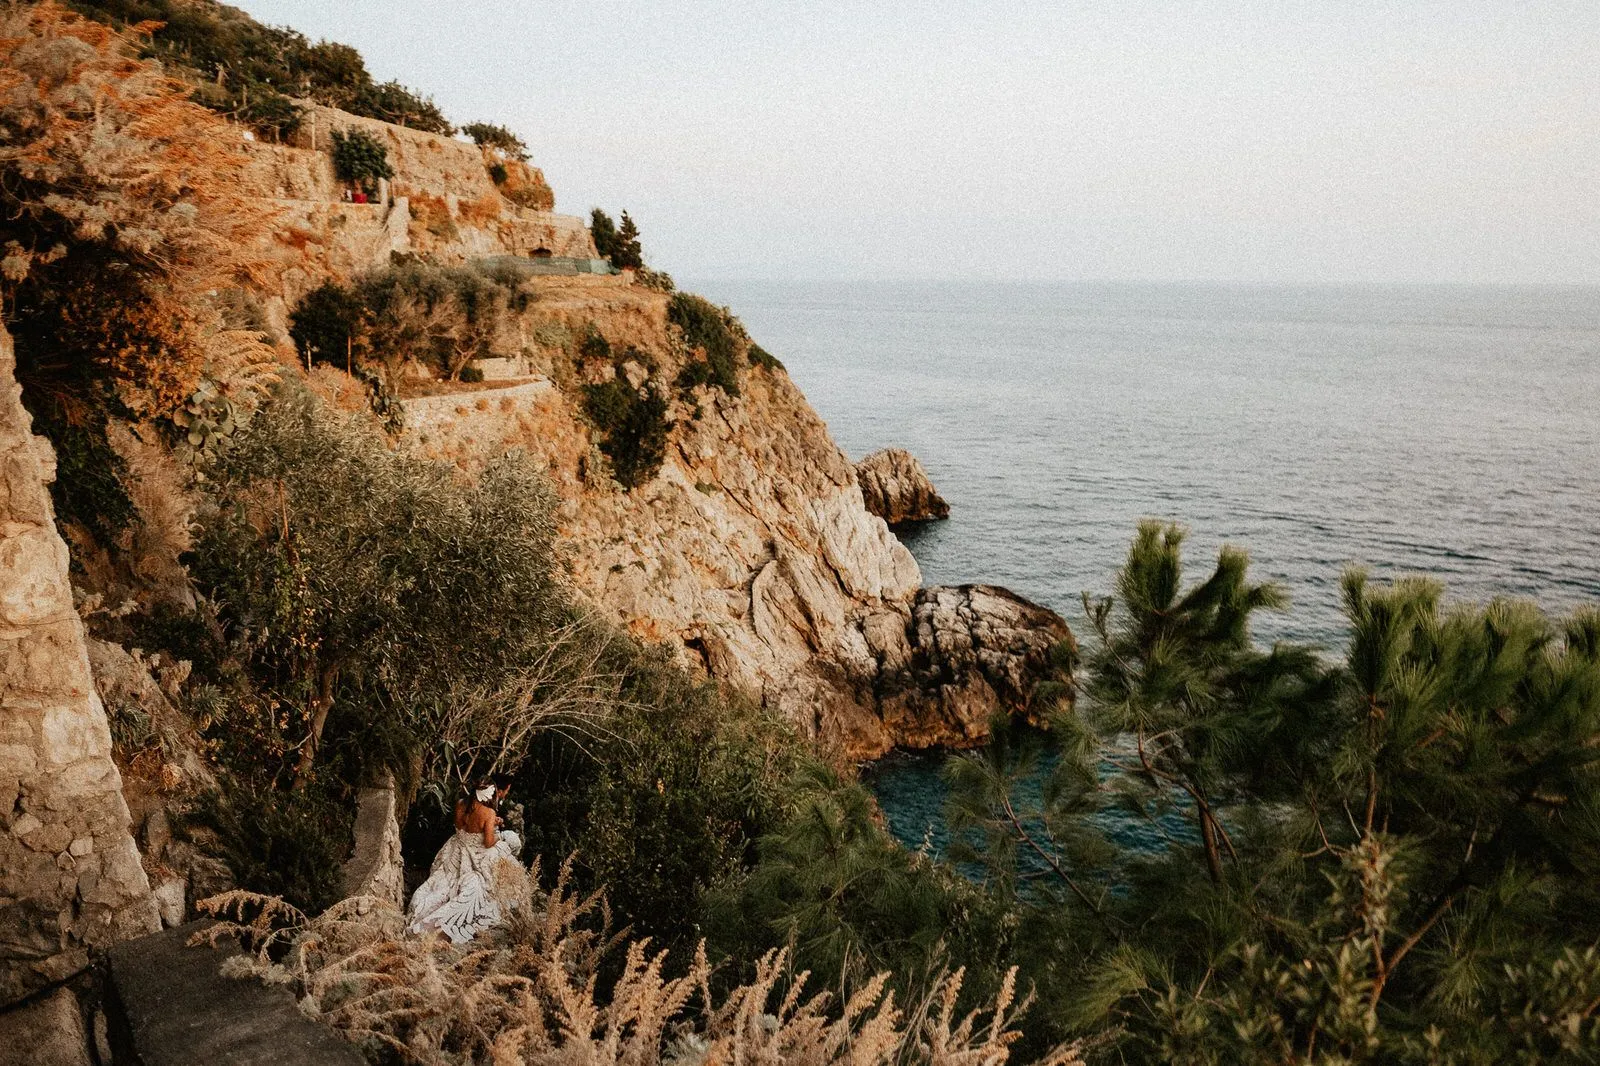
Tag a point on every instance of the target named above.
point(169, 1006)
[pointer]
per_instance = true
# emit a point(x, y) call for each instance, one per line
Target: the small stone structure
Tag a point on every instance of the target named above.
point(896, 488)
point(375, 868)
point(70, 877)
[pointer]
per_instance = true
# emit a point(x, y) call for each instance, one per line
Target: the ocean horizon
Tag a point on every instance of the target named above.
point(1447, 430)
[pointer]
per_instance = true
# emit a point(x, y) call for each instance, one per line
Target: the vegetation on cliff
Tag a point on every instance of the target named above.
point(1391, 857)
point(249, 71)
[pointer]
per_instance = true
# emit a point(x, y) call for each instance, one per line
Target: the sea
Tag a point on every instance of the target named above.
point(1452, 431)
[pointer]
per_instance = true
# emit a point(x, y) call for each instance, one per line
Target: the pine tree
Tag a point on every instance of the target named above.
point(629, 254)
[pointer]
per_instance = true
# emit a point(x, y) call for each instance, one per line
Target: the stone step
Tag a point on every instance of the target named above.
point(168, 1005)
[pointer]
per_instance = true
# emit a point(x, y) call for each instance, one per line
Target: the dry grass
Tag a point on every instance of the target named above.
point(531, 993)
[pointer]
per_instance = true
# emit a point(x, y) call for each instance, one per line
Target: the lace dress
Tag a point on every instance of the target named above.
point(459, 897)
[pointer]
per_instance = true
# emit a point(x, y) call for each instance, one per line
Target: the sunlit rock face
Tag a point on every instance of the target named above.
point(896, 488)
point(70, 877)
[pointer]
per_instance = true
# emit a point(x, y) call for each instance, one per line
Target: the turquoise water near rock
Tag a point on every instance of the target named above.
point(1447, 430)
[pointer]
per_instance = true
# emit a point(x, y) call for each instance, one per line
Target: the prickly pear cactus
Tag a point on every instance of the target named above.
point(204, 422)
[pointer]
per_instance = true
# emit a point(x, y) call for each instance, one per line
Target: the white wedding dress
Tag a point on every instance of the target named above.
point(458, 899)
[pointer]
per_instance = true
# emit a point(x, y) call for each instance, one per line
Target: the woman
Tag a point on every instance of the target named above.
point(458, 898)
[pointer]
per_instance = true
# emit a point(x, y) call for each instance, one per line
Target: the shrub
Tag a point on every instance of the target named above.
point(633, 425)
point(360, 157)
point(286, 844)
point(594, 345)
point(471, 374)
point(346, 573)
point(621, 246)
point(498, 173)
point(326, 325)
point(269, 111)
point(496, 136)
point(393, 102)
point(117, 244)
point(759, 356)
point(706, 328)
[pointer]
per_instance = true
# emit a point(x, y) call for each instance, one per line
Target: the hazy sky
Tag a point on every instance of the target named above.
point(1348, 140)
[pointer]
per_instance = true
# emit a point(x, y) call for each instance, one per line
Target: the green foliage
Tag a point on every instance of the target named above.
point(392, 102)
point(633, 426)
point(243, 68)
point(604, 232)
point(759, 356)
point(691, 781)
point(497, 136)
point(594, 344)
point(359, 156)
point(89, 487)
point(446, 316)
point(345, 573)
point(471, 374)
point(1403, 846)
point(325, 323)
point(706, 328)
point(204, 423)
point(288, 844)
point(621, 246)
point(268, 111)
point(498, 173)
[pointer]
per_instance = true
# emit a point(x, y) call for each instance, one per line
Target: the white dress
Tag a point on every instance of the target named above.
point(459, 898)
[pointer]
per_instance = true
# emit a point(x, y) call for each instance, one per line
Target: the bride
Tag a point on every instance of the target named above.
point(458, 899)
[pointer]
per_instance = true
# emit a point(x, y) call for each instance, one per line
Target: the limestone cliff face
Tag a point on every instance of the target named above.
point(752, 551)
point(70, 877)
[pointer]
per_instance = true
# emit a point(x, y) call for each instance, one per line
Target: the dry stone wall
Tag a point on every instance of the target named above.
point(70, 876)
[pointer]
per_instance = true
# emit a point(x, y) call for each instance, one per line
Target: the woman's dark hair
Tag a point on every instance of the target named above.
point(495, 781)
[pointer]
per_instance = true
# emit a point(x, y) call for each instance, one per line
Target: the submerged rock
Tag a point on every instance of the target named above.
point(975, 650)
point(896, 488)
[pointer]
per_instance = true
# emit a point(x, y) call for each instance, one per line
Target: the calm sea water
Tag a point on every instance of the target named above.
point(1452, 431)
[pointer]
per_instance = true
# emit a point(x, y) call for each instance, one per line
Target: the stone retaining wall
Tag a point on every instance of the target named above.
point(70, 877)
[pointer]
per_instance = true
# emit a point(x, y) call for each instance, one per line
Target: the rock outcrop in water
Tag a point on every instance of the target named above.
point(896, 488)
point(975, 650)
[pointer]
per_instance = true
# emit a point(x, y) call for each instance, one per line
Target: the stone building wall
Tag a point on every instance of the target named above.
point(70, 876)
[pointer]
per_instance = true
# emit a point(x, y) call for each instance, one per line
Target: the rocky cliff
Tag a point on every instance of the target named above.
point(752, 551)
point(70, 876)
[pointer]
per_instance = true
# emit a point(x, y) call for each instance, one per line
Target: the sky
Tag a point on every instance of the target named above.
point(1226, 140)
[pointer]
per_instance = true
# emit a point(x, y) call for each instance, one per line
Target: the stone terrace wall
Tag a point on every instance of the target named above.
point(70, 877)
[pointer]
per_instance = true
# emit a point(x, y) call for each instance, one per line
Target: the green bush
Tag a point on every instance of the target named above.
point(472, 374)
point(759, 356)
point(670, 801)
point(706, 328)
point(345, 573)
point(497, 136)
point(288, 844)
point(326, 325)
point(359, 156)
point(633, 427)
point(223, 46)
point(621, 246)
point(594, 345)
